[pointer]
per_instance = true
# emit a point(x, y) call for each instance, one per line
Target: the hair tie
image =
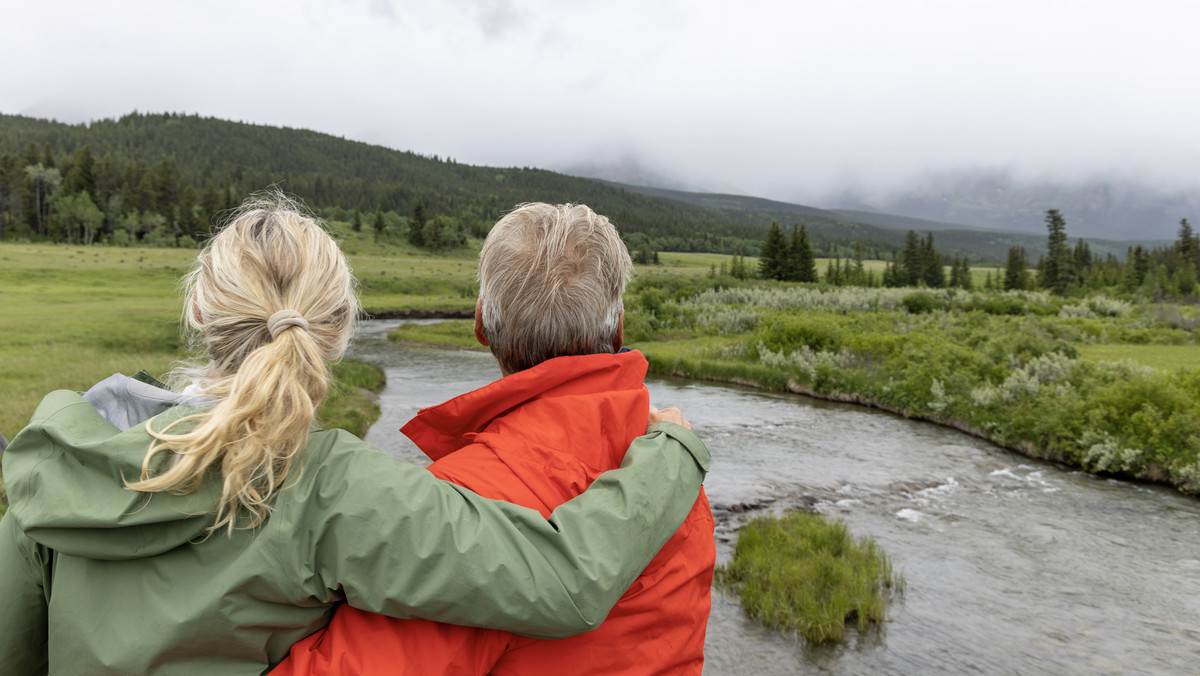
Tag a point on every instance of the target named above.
point(282, 320)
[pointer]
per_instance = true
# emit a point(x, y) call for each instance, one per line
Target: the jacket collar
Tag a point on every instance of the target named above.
point(442, 429)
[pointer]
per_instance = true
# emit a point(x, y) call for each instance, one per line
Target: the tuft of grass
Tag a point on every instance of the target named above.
point(350, 404)
point(455, 333)
point(1161, 357)
point(804, 574)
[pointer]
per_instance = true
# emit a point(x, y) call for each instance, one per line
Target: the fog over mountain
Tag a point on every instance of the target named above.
point(1115, 206)
point(1111, 207)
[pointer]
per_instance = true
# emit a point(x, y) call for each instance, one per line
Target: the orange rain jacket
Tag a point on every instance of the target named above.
point(538, 438)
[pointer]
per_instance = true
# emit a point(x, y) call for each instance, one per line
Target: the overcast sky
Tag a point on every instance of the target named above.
point(778, 99)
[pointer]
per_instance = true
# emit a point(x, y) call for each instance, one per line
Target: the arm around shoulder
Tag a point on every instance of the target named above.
point(400, 542)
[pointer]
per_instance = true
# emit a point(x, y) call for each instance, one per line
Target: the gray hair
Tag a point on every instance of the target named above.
point(551, 279)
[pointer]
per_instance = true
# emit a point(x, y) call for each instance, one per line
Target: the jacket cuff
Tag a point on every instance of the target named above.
point(690, 441)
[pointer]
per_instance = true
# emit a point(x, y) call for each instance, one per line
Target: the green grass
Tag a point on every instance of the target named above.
point(73, 316)
point(349, 405)
point(458, 334)
point(804, 574)
point(1161, 357)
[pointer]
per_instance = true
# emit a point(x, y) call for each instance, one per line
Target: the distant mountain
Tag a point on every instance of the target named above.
point(1107, 208)
point(628, 171)
point(165, 163)
point(978, 242)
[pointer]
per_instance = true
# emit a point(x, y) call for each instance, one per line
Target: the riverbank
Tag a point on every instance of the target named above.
point(1011, 368)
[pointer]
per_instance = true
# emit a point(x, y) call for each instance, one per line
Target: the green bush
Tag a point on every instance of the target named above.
point(786, 333)
point(922, 301)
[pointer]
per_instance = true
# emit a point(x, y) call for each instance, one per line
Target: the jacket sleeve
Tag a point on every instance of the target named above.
point(24, 575)
point(393, 539)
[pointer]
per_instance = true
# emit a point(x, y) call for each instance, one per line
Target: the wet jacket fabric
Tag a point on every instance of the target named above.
point(537, 438)
point(99, 579)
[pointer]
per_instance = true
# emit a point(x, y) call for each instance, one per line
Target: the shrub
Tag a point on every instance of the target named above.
point(923, 301)
point(785, 333)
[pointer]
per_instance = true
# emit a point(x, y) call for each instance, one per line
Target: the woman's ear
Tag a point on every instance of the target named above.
point(196, 316)
point(479, 335)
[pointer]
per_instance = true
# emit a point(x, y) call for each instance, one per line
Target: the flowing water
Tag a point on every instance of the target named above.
point(1013, 566)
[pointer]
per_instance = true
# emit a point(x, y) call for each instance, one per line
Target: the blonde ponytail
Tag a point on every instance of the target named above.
point(271, 299)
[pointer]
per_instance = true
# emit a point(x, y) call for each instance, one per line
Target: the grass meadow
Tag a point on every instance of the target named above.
point(71, 316)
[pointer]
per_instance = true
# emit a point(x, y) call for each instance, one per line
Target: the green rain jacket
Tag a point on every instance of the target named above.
point(99, 579)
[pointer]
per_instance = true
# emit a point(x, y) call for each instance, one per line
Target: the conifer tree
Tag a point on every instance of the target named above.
point(888, 278)
point(416, 229)
point(379, 225)
point(1055, 270)
point(933, 271)
point(964, 274)
point(82, 175)
point(955, 272)
point(210, 207)
point(907, 270)
point(356, 223)
point(188, 223)
point(800, 253)
point(859, 278)
point(1188, 245)
point(1016, 272)
point(832, 274)
point(772, 261)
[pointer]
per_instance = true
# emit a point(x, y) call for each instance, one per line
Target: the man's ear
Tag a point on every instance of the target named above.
point(619, 340)
point(479, 335)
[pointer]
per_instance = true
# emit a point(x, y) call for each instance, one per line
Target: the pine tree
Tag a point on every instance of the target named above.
point(1055, 271)
point(772, 261)
point(888, 278)
point(859, 278)
point(82, 175)
point(356, 223)
point(379, 225)
point(933, 270)
point(165, 183)
point(1016, 272)
point(955, 272)
point(800, 255)
point(210, 208)
point(907, 271)
point(188, 223)
point(416, 229)
point(1188, 245)
point(964, 274)
point(833, 273)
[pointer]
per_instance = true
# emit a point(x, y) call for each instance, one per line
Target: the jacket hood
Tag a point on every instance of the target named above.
point(64, 474)
point(442, 429)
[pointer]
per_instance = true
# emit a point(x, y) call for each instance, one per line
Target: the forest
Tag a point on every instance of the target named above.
point(164, 179)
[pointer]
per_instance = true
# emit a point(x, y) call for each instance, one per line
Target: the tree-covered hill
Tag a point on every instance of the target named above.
point(153, 173)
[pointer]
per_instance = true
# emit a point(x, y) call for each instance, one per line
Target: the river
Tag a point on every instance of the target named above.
point(1013, 566)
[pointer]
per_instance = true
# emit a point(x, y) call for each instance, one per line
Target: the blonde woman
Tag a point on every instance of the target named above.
point(205, 532)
